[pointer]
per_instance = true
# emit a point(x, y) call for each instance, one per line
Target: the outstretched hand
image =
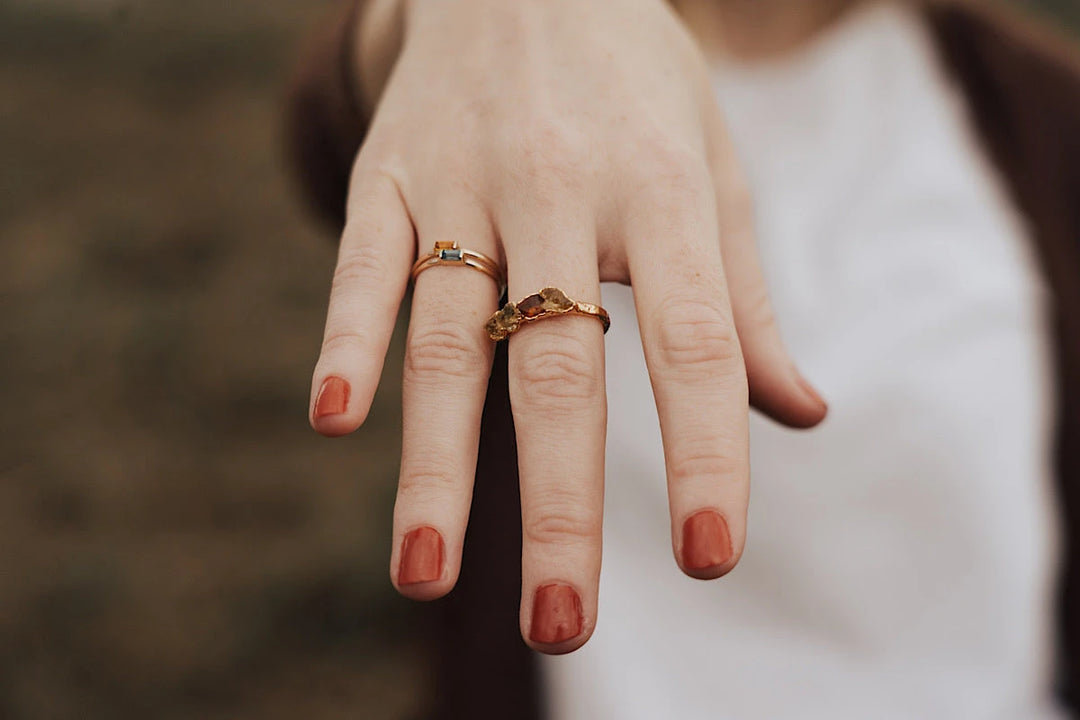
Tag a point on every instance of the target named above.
point(575, 142)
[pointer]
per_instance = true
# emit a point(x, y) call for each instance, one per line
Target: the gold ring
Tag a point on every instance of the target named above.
point(547, 303)
point(449, 253)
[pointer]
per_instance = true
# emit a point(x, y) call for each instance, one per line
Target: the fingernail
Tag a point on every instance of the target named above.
point(333, 397)
point(706, 542)
point(556, 615)
point(807, 388)
point(421, 556)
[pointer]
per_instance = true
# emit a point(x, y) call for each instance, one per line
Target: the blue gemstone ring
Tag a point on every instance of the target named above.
point(450, 253)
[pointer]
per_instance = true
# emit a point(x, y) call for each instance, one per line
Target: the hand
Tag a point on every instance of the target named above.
point(576, 141)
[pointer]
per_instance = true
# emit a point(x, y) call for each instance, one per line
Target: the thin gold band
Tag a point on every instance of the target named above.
point(549, 302)
point(449, 253)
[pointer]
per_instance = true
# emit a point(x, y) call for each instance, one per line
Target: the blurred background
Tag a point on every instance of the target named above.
point(175, 542)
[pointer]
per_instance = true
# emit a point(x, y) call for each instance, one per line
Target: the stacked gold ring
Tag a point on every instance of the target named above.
point(450, 253)
point(549, 302)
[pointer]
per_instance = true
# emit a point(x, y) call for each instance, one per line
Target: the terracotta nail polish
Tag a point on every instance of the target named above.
point(706, 542)
point(556, 615)
point(421, 556)
point(333, 397)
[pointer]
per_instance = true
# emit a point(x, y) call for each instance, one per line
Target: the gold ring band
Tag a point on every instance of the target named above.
point(549, 302)
point(449, 253)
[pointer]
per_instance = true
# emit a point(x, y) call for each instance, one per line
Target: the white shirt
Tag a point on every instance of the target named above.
point(901, 558)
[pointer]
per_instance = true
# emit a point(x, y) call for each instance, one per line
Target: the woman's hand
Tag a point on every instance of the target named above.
point(577, 141)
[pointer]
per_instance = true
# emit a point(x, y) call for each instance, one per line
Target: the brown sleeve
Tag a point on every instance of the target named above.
point(324, 120)
point(1022, 85)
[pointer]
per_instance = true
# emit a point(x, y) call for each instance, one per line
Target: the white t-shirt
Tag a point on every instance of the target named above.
point(901, 558)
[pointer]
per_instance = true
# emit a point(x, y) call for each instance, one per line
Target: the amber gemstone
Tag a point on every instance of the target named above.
point(504, 322)
point(555, 299)
point(509, 315)
point(531, 306)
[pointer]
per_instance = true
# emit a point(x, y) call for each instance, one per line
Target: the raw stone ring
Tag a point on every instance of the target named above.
point(549, 302)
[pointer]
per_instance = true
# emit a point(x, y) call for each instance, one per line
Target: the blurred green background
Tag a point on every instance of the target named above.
point(174, 541)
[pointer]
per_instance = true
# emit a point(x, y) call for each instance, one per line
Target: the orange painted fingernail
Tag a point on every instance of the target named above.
point(421, 556)
point(706, 541)
point(556, 615)
point(333, 397)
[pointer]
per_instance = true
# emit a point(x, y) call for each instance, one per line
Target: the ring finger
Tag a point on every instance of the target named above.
point(447, 363)
point(556, 371)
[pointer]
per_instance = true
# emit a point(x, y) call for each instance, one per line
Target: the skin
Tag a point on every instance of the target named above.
point(575, 141)
point(752, 30)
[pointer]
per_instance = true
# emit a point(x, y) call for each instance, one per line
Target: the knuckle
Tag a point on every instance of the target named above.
point(444, 350)
point(697, 335)
point(674, 172)
point(704, 464)
point(560, 518)
point(344, 341)
point(376, 174)
point(359, 267)
point(562, 375)
point(426, 484)
point(380, 160)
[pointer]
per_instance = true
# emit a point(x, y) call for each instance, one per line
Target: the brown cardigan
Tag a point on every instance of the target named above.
point(1022, 87)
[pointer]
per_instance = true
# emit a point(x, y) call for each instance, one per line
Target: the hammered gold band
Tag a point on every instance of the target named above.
point(449, 253)
point(549, 302)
